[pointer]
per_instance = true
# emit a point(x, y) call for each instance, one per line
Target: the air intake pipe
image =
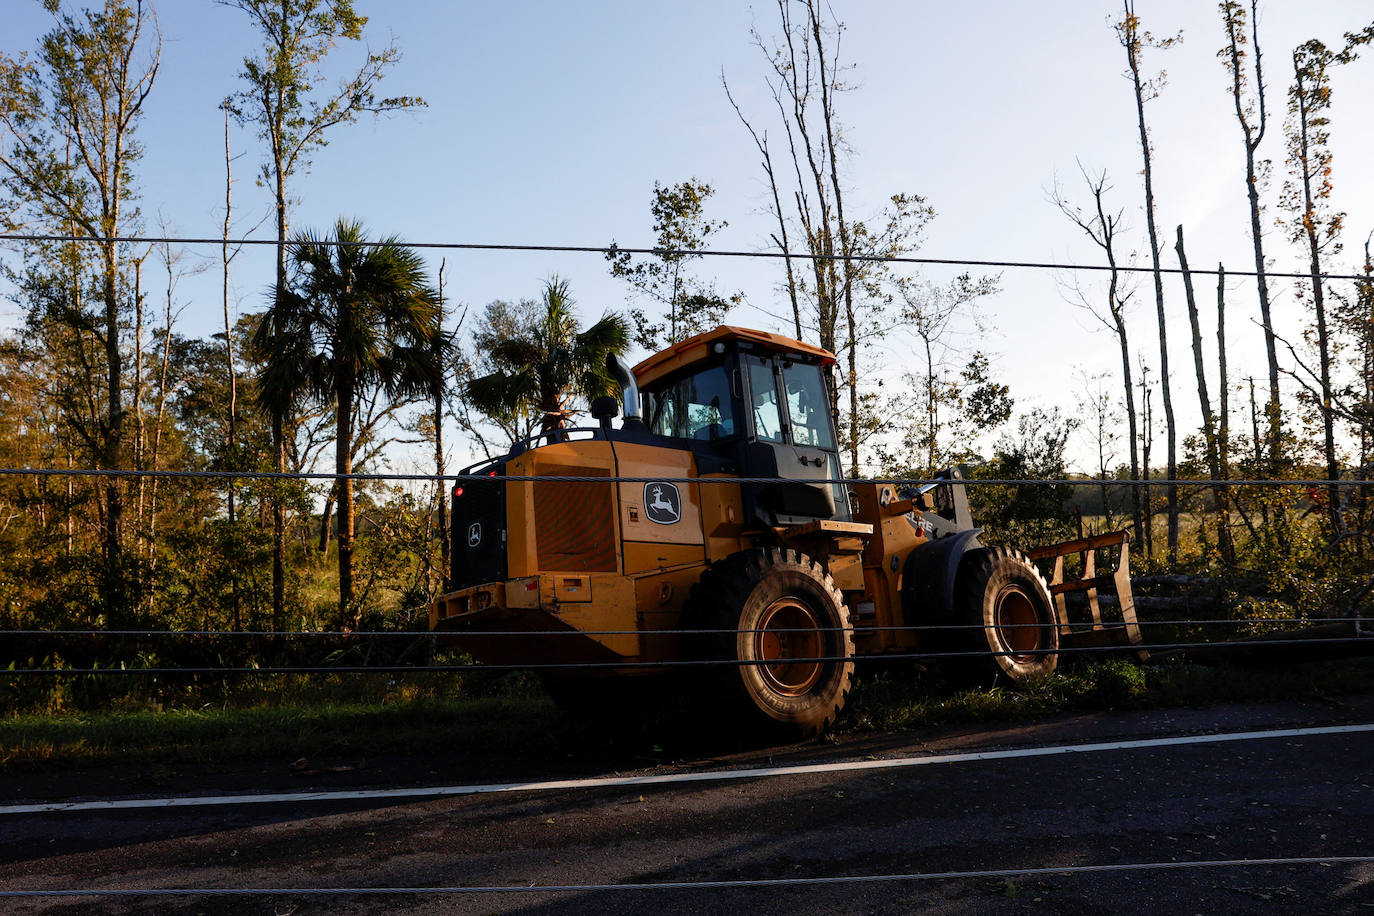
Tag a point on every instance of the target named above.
point(629, 389)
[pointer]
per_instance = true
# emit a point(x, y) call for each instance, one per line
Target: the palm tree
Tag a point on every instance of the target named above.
point(552, 363)
point(353, 316)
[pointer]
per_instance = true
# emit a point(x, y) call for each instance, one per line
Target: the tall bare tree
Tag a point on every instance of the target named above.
point(1102, 226)
point(1134, 41)
point(1252, 117)
point(838, 296)
point(1209, 429)
point(228, 253)
point(1355, 314)
point(440, 389)
point(780, 239)
point(1147, 438)
point(1223, 379)
point(172, 263)
point(1307, 195)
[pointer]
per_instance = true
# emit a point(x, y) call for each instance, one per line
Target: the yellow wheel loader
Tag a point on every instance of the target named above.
point(710, 526)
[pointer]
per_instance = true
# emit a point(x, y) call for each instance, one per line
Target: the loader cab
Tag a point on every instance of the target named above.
point(752, 404)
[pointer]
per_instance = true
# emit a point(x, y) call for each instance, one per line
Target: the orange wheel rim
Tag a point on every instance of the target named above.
point(1018, 623)
point(789, 639)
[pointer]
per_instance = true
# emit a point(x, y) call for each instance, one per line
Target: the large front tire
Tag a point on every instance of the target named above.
point(779, 617)
point(1004, 604)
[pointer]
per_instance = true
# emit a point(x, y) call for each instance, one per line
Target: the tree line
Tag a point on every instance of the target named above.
point(361, 351)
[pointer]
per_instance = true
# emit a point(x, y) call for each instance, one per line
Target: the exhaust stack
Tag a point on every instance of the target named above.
point(629, 388)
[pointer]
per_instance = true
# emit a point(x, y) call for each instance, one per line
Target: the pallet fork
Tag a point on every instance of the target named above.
point(1081, 624)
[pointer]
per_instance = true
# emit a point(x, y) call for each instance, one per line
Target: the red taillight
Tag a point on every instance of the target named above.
point(457, 492)
point(491, 473)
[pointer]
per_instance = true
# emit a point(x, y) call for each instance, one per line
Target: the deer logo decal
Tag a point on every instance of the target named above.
point(662, 503)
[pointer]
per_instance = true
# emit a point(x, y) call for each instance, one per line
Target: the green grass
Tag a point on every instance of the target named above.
point(513, 716)
point(421, 726)
point(890, 701)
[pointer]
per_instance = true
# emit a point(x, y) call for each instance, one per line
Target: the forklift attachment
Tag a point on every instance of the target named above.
point(1089, 629)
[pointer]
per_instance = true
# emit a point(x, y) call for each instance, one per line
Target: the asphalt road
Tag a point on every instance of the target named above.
point(1309, 796)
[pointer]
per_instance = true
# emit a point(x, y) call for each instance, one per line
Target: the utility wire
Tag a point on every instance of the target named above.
point(692, 663)
point(982, 874)
point(857, 629)
point(574, 478)
point(662, 252)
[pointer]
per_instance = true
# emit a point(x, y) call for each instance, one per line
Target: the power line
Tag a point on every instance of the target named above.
point(359, 634)
point(575, 478)
point(685, 663)
point(704, 252)
point(968, 874)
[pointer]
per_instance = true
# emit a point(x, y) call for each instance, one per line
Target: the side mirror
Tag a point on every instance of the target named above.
point(605, 409)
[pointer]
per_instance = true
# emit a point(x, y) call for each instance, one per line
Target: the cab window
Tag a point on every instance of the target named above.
point(763, 393)
point(696, 407)
point(808, 408)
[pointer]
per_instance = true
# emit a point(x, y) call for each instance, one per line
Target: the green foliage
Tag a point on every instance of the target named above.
point(68, 145)
point(282, 96)
point(1033, 513)
point(909, 699)
point(397, 552)
point(282, 716)
point(68, 119)
point(681, 229)
point(544, 367)
point(516, 418)
point(354, 317)
point(947, 414)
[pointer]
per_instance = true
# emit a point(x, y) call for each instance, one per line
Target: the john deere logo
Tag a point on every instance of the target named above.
point(662, 503)
point(475, 534)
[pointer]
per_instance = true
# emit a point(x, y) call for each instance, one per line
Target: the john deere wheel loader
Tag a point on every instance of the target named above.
point(734, 543)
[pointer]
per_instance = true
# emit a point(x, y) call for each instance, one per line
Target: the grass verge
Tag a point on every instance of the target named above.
point(422, 726)
point(519, 719)
point(889, 701)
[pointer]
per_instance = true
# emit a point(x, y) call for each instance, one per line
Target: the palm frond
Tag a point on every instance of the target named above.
point(553, 360)
point(502, 395)
point(609, 335)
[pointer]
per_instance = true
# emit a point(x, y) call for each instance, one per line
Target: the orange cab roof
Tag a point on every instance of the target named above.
point(695, 349)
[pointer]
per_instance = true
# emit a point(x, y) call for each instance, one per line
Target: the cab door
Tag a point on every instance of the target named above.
point(792, 440)
point(810, 426)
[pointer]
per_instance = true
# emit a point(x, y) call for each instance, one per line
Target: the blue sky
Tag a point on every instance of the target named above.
point(549, 122)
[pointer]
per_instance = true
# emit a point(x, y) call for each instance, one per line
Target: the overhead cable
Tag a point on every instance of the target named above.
point(575, 478)
point(396, 634)
point(1125, 648)
point(661, 252)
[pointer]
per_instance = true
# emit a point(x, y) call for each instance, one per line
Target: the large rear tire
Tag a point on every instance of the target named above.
point(781, 619)
point(1005, 605)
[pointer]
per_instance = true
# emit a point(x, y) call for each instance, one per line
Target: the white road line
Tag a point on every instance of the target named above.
point(664, 779)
